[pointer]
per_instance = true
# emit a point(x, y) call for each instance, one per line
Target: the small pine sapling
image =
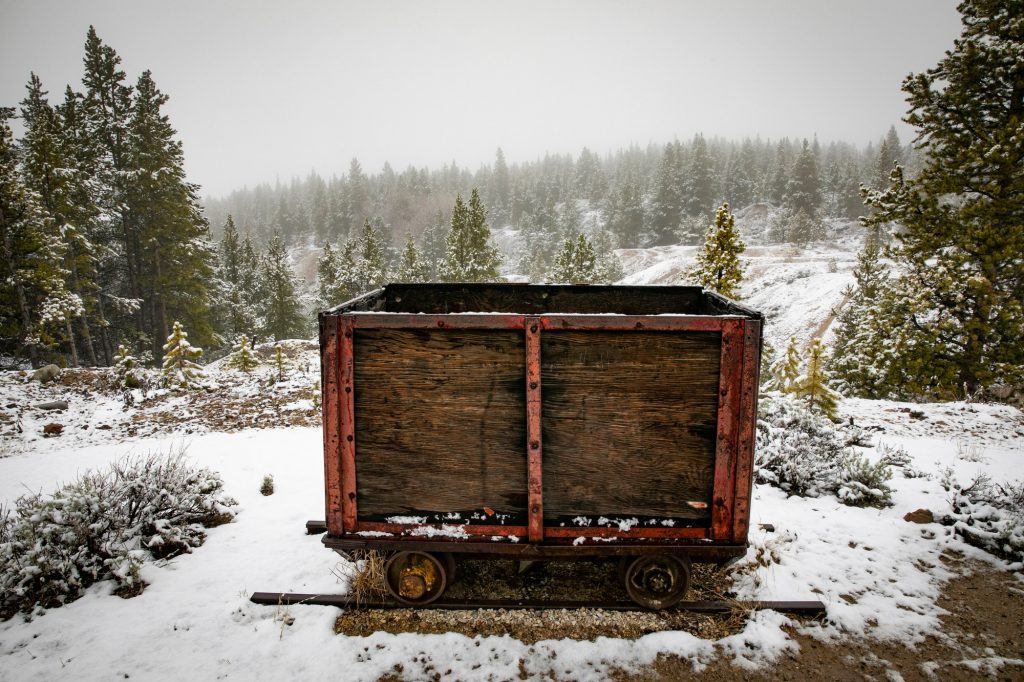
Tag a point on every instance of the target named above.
point(812, 386)
point(242, 358)
point(126, 369)
point(785, 370)
point(718, 264)
point(576, 263)
point(179, 368)
point(267, 487)
point(280, 363)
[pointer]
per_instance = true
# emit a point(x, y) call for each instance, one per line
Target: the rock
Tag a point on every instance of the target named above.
point(45, 374)
point(53, 405)
point(920, 516)
point(53, 429)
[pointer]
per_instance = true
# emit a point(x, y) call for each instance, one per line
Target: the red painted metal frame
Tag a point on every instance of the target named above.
point(738, 383)
point(331, 422)
point(747, 428)
point(729, 387)
point(535, 488)
point(346, 371)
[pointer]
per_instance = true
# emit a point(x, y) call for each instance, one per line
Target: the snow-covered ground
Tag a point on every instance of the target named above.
point(879, 575)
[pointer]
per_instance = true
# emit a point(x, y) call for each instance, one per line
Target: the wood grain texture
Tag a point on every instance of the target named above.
point(629, 422)
point(730, 384)
point(440, 421)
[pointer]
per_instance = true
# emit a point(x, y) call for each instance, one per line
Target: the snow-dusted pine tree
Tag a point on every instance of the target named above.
point(469, 257)
point(960, 240)
point(370, 270)
point(283, 318)
point(412, 268)
point(242, 358)
point(126, 369)
point(718, 264)
point(860, 340)
point(786, 369)
point(180, 369)
point(576, 263)
point(812, 386)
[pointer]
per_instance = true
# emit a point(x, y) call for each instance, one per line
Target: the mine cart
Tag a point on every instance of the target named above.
point(539, 422)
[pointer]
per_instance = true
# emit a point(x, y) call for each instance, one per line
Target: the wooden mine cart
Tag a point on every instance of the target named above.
point(540, 422)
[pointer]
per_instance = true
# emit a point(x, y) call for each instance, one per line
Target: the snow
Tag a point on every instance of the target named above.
point(878, 575)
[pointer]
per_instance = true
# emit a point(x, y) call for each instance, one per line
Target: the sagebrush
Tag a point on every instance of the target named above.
point(103, 526)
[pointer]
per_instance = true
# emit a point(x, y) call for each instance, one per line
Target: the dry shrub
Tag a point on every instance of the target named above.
point(364, 575)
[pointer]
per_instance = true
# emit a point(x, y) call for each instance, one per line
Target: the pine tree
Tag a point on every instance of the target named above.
point(576, 263)
point(667, 206)
point(370, 268)
point(327, 278)
point(804, 190)
point(411, 268)
point(175, 256)
point(126, 370)
point(860, 341)
point(699, 193)
point(230, 254)
point(718, 264)
point(785, 370)
point(35, 301)
point(778, 174)
point(180, 369)
point(242, 358)
point(469, 257)
point(812, 386)
point(280, 363)
point(433, 240)
point(283, 318)
point(960, 240)
point(500, 190)
point(625, 211)
point(609, 267)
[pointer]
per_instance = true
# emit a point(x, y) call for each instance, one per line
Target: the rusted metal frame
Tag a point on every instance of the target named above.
point(346, 395)
point(472, 530)
point(729, 389)
point(331, 407)
point(585, 532)
point(674, 323)
point(445, 604)
point(534, 449)
point(451, 321)
point(747, 426)
point(552, 548)
point(375, 296)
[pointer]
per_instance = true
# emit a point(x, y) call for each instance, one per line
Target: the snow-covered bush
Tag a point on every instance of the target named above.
point(797, 450)
point(103, 526)
point(863, 484)
point(805, 454)
point(987, 515)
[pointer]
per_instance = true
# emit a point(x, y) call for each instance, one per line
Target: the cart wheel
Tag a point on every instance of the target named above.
point(658, 582)
point(415, 578)
point(622, 565)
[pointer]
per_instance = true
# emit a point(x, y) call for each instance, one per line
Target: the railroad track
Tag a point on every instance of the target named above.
point(804, 608)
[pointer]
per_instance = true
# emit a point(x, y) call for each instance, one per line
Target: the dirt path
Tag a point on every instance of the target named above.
point(982, 639)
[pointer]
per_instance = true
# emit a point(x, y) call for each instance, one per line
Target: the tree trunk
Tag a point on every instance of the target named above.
point(19, 288)
point(71, 341)
point(90, 350)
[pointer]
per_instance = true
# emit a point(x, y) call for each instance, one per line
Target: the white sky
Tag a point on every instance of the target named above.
point(266, 90)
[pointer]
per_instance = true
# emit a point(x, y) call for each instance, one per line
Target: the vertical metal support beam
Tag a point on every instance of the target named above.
point(329, 364)
point(729, 385)
point(747, 426)
point(348, 425)
point(535, 488)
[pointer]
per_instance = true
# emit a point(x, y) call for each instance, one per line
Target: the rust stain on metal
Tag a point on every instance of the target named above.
point(329, 364)
point(747, 428)
point(728, 415)
point(347, 419)
point(533, 432)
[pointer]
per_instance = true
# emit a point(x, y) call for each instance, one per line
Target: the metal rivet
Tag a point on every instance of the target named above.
point(348, 335)
point(348, 389)
point(533, 329)
point(534, 444)
point(533, 385)
point(348, 438)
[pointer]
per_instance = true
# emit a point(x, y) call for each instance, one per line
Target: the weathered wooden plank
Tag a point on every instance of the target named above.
point(534, 440)
point(373, 320)
point(747, 428)
point(331, 407)
point(440, 421)
point(637, 532)
point(346, 401)
point(628, 323)
point(542, 299)
point(728, 427)
point(629, 422)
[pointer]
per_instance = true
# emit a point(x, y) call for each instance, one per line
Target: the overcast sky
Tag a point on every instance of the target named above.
point(271, 90)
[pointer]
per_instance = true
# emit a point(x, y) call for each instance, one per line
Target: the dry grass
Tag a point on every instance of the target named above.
point(364, 575)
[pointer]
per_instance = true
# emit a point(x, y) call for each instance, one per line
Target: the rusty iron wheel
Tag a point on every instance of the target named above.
point(415, 578)
point(658, 582)
point(448, 559)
